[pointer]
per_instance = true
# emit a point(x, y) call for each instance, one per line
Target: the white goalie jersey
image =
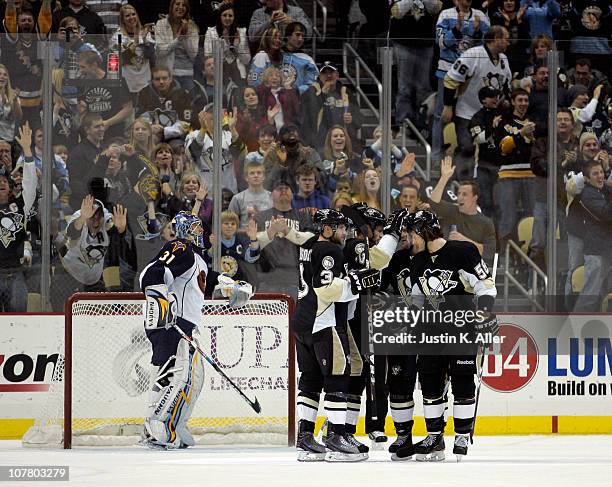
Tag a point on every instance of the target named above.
point(184, 272)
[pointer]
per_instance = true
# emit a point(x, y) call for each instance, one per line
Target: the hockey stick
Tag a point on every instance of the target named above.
point(482, 350)
point(368, 298)
point(361, 223)
point(254, 404)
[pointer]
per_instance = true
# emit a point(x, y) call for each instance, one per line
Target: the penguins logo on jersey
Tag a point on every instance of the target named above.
point(404, 286)
point(328, 262)
point(435, 284)
point(229, 265)
point(494, 80)
point(11, 223)
point(92, 254)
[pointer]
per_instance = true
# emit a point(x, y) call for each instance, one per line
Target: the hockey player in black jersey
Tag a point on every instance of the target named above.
point(364, 251)
point(447, 275)
point(401, 370)
point(325, 349)
point(174, 283)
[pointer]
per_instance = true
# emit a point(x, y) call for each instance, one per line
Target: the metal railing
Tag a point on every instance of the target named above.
point(534, 269)
point(427, 173)
point(316, 33)
point(360, 64)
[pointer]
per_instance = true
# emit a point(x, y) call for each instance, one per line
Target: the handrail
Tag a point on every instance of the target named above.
point(423, 142)
point(356, 81)
point(508, 277)
point(316, 33)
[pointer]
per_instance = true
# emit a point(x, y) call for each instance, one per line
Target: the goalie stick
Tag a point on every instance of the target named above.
point(482, 350)
point(254, 404)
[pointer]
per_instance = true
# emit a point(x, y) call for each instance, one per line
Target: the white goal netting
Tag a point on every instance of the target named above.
point(112, 375)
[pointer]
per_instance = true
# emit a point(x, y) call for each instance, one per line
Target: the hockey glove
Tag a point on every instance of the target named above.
point(237, 292)
point(395, 223)
point(363, 279)
point(161, 307)
point(489, 324)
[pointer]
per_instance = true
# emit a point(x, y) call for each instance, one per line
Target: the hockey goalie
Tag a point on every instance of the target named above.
point(174, 283)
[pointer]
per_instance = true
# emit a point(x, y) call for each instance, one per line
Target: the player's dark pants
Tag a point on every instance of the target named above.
point(394, 376)
point(324, 359)
point(433, 372)
point(165, 342)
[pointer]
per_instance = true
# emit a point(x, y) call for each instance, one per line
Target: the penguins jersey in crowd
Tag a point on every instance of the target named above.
point(323, 294)
point(474, 70)
point(84, 258)
point(456, 270)
point(180, 266)
point(15, 218)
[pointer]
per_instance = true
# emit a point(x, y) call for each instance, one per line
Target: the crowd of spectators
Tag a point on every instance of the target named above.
point(133, 129)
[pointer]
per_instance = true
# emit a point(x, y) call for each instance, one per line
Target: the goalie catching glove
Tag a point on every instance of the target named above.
point(160, 307)
point(489, 324)
point(363, 279)
point(238, 292)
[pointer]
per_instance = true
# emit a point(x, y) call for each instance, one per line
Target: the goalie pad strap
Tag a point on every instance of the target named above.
point(172, 404)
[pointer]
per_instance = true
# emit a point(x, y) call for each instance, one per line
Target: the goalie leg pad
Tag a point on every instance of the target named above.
point(176, 389)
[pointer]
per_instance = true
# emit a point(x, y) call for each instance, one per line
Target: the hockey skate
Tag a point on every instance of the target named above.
point(308, 449)
point(377, 440)
point(431, 449)
point(404, 449)
point(363, 449)
point(340, 450)
point(461, 446)
point(400, 441)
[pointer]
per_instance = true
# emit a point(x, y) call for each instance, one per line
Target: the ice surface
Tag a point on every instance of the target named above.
point(514, 461)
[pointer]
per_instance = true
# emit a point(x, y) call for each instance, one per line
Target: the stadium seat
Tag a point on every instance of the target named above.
point(605, 303)
point(578, 279)
point(34, 303)
point(525, 232)
point(111, 278)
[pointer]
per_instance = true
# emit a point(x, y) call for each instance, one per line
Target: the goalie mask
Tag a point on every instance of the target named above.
point(188, 227)
point(424, 223)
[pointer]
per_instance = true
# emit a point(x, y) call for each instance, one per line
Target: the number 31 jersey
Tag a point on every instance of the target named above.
point(321, 268)
point(179, 266)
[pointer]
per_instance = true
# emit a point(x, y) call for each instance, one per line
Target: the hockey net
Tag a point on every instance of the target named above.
point(100, 386)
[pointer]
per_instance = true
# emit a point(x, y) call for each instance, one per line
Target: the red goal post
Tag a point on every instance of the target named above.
point(100, 389)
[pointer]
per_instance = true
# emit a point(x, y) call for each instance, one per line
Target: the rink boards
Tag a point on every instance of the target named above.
point(553, 374)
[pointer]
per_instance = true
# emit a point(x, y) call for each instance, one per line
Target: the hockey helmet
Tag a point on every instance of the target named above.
point(372, 216)
point(425, 223)
point(330, 217)
point(188, 227)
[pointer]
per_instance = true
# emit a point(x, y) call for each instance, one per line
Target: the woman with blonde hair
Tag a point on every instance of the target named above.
point(367, 188)
point(269, 54)
point(141, 137)
point(176, 38)
point(10, 107)
point(341, 199)
point(137, 49)
point(191, 195)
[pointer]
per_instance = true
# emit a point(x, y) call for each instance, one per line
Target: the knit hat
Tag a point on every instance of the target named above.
point(576, 91)
point(587, 136)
